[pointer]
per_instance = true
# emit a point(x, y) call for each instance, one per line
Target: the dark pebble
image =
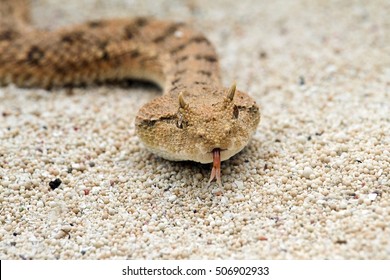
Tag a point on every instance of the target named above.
point(55, 184)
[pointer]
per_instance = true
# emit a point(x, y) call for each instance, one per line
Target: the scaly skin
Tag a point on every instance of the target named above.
point(195, 119)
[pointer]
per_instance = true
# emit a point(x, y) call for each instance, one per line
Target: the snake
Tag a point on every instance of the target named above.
point(195, 119)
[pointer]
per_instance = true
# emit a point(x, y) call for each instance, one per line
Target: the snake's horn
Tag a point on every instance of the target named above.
point(231, 92)
point(182, 103)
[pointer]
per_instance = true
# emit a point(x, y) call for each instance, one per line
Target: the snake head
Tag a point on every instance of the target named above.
point(190, 125)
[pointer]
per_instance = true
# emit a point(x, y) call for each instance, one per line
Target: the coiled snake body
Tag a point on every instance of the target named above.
point(195, 119)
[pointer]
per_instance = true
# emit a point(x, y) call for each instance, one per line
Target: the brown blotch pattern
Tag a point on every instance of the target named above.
point(199, 39)
point(209, 58)
point(170, 31)
point(203, 72)
point(35, 55)
point(9, 35)
point(103, 47)
point(135, 53)
point(180, 72)
point(73, 37)
point(141, 21)
point(175, 81)
point(96, 24)
point(196, 39)
point(131, 31)
point(181, 58)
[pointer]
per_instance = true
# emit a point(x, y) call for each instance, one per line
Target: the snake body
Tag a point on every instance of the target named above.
point(195, 119)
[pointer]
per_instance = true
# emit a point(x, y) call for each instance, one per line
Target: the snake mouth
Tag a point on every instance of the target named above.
point(219, 149)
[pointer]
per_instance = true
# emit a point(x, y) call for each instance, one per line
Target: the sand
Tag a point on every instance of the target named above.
point(312, 184)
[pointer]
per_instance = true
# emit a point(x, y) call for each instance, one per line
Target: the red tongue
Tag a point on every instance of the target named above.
point(216, 171)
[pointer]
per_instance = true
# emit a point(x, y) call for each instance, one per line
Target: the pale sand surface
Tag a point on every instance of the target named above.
point(313, 183)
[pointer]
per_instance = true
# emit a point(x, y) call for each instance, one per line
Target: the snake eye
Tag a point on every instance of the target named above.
point(235, 112)
point(181, 122)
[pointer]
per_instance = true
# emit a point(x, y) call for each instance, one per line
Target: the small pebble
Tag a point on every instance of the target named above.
point(372, 196)
point(239, 184)
point(307, 172)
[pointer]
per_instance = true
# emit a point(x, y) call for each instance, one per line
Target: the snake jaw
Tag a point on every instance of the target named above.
point(216, 171)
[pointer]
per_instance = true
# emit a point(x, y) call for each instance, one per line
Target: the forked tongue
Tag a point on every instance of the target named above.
point(216, 171)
